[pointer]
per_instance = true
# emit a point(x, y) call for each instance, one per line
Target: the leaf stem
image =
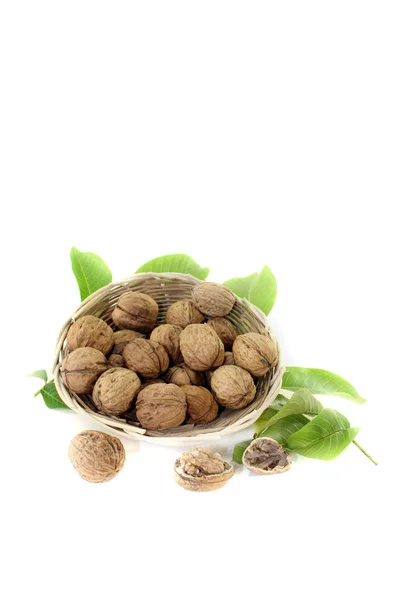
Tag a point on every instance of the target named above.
point(364, 452)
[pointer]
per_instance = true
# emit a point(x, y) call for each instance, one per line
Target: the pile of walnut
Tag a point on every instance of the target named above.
point(185, 370)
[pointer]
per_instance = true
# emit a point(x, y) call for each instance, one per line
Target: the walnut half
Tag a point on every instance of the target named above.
point(201, 470)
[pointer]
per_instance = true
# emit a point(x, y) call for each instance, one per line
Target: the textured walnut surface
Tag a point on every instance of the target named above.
point(123, 337)
point(81, 368)
point(183, 375)
point(135, 310)
point(213, 299)
point(116, 360)
point(201, 470)
point(96, 456)
point(255, 352)
point(89, 331)
point(183, 313)
point(168, 337)
point(224, 330)
point(266, 457)
point(146, 357)
point(115, 391)
point(233, 386)
point(201, 347)
point(228, 358)
point(201, 406)
point(161, 406)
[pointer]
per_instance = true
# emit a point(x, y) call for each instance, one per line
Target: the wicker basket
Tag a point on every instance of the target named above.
point(167, 288)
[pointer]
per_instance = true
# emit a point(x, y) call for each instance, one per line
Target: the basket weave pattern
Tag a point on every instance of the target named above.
point(167, 288)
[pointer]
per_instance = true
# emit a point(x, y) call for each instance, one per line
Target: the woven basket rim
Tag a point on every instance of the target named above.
point(116, 424)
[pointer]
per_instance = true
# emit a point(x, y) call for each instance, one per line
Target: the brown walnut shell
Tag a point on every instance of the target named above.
point(256, 353)
point(89, 331)
point(265, 456)
point(168, 336)
point(183, 313)
point(228, 358)
point(201, 348)
point(213, 299)
point(115, 391)
point(224, 330)
point(145, 357)
point(201, 470)
point(116, 360)
point(135, 310)
point(233, 387)
point(183, 375)
point(161, 406)
point(201, 406)
point(123, 337)
point(96, 456)
point(81, 368)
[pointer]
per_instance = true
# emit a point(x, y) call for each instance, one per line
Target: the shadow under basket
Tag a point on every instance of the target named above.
point(167, 288)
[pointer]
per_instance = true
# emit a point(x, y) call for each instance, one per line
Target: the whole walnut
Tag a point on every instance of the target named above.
point(224, 330)
point(183, 375)
point(228, 358)
point(81, 368)
point(116, 360)
point(201, 470)
point(168, 336)
point(161, 406)
point(89, 331)
point(213, 299)
point(183, 313)
point(233, 387)
point(201, 406)
point(201, 347)
point(135, 310)
point(256, 353)
point(145, 357)
point(96, 456)
point(123, 337)
point(115, 391)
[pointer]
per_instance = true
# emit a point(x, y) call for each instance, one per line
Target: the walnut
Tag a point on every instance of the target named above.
point(122, 337)
point(168, 336)
point(256, 353)
point(183, 313)
point(135, 311)
point(183, 375)
point(201, 406)
point(145, 357)
point(200, 470)
point(116, 360)
point(233, 387)
point(96, 456)
point(89, 331)
point(161, 406)
point(81, 368)
point(201, 347)
point(266, 457)
point(228, 358)
point(213, 299)
point(115, 391)
point(224, 330)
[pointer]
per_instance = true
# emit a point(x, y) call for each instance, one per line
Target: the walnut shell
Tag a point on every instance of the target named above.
point(201, 406)
point(233, 387)
point(116, 360)
point(183, 313)
point(89, 331)
point(183, 375)
point(161, 406)
point(225, 330)
point(115, 391)
point(135, 310)
point(123, 337)
point(201, 347)
point(201, 470)
point(168, 336)
point(256, 353)
point(81, 368)
point(96, 456)
point(145, 357)
point(265, 456)
point(228, 358)
point(213, 299)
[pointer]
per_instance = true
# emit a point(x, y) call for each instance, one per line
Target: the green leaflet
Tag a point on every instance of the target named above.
point(302, 402)
point(263, 289)
point(325, 437)
point(51, 397)
point(241, 285)
point(283, 429)
point(174, 263)
point(40, 374)
point(319, 381)
point(91, 272)
point(269, 412)
point(238, 451)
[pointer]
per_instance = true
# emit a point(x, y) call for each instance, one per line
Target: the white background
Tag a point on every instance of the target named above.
point(243, 134)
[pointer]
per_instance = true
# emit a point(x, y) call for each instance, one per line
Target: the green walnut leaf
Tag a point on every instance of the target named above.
point(174, 263)
point(283, 429)
point(241, 285)
point(40, 374)
point(91, 272)
point(319, 381)
point(51, 397)
point(325, 437)
point(269, 412)
point(301, 403)
point(263, 289)
point(238, 451)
